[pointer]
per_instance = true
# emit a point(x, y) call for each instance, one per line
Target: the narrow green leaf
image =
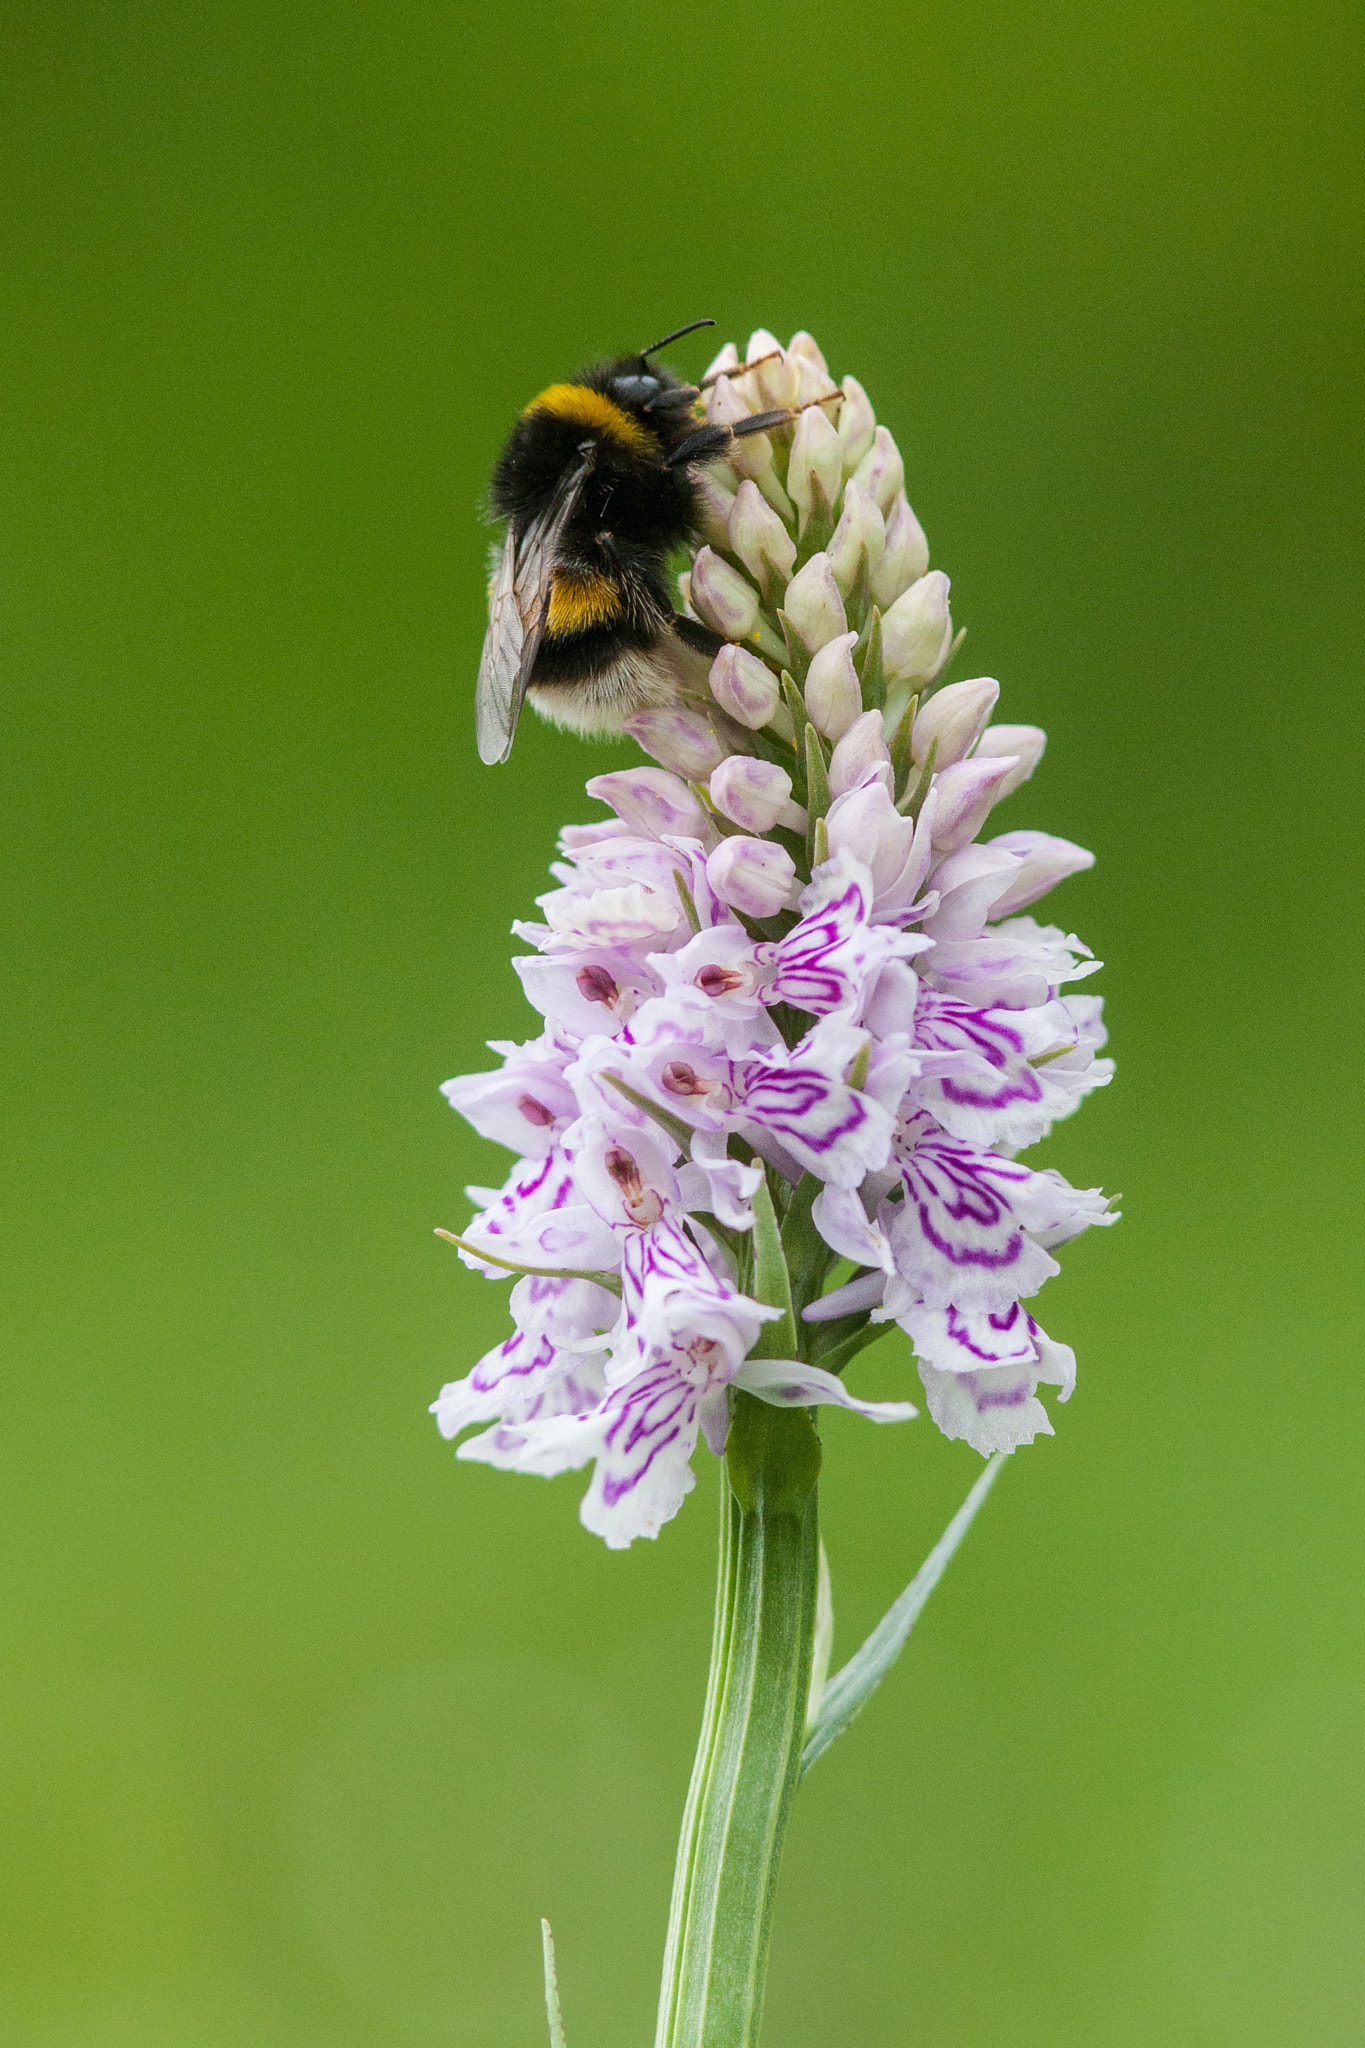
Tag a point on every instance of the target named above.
point(608, 1280)
point(552, 2006)
point(808, 1256)
point(822, 1645)
point(771, 1281)
point(685, 898)
point(817, 788)
point(872, 674)
point(845, 1349)
point(912, 803)
point(798, 656)
point(821, 854)
point(902, 762)
point(848, 1692)
point(796, 705)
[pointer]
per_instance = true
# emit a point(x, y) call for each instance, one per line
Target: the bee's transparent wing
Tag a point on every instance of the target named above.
point(517, 607)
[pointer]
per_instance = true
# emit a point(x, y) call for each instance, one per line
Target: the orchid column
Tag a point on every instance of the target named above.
point(796, 1032)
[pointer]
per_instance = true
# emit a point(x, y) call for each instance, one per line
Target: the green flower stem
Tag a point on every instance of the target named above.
point(749, 1755)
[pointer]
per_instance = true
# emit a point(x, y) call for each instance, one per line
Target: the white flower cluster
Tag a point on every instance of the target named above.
point(786, 961)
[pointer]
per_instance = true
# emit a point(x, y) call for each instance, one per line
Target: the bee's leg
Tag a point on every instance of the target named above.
point(714, 440)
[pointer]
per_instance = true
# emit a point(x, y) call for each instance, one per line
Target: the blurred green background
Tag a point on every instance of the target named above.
point(302, 1725)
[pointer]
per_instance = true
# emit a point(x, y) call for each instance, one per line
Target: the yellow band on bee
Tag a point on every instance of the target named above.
point(585, 408)
point(579, 600)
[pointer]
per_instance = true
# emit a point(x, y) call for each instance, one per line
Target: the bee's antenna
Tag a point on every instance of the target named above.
point(676, 335)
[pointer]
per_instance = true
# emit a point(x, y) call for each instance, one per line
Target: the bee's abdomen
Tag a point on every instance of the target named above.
point(581, 600)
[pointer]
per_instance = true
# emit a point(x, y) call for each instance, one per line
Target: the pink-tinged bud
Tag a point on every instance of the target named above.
point(678, 739)
point(857, 424)
point(808, 348)
point(742, 685)
point(721, 598)
point(881, 471)
point(906, 557)
point(860, 532)
point(861, 751)
point(954, 717)
point(814, 605)
point(755, 795)
point(833, 694)
point(725, 407)
point(1047, 861)
point(1026, 742)
point(965, 795)
point(917, 632)
point(656, 803)
point(714, 487)
point(816, 461)
point(758, 536)
point(752, 876)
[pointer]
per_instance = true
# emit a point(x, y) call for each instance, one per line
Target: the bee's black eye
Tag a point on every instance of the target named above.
point(635, 390)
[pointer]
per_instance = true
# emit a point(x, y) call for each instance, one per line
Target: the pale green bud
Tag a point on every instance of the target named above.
point(816, 459)
point(857, 424)
point(954, 718)
point(813, 603)
point(917, 632)
point(860, 532)
point(906, 557)
point(758, 537)
point(834, 697)
point(882, 471)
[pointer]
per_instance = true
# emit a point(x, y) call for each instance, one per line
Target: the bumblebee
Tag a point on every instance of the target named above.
point(595, 486)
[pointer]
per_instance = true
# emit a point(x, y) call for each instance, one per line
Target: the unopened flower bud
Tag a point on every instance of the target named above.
point(653, 802)
point(1047, 861)
point(965, 794)
point(862, 749)
point(917, 631)
point(677, 738)
point(813, 603)
point(857, 424)
point(755, 795)
point(815, 462)
point(954, 717)
point(725, 407)
point(742, 685)
point(860, 532)
point(728, 359)
point(806, 346)
point(906, 557)
point(721, 598)
point(761, 343)
point(752, 876)
point(778, 381)
point(714, 485)
point(816, 384)
point(758, 536)
point(881, 470)
point(1026, 742)
point(833, 694)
